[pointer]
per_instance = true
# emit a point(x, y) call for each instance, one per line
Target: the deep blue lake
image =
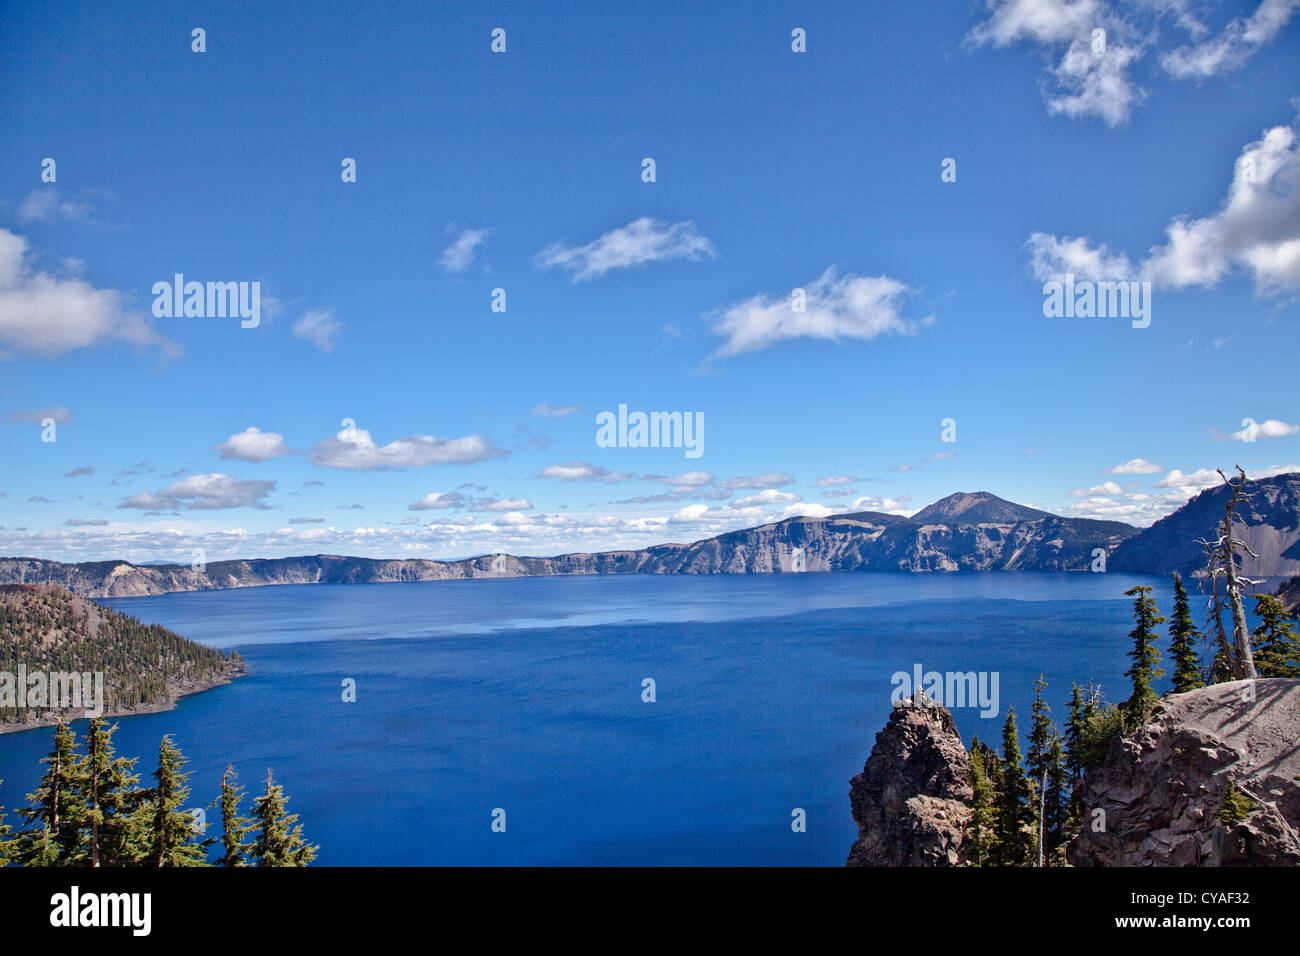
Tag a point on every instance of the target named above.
point(526, 695)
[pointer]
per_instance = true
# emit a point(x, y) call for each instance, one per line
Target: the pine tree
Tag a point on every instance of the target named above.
point(1183, 637)
point(1145, 655)
point(53, 809)
point(1058, 800)
point(108, 800)
point(234, 826)
point(8, 847)
point(980, 829)
point(1277, 648)
point(1040, 733)
point(171, 838)
point(279, 842)
point(1074, 732)
point(1013, 813)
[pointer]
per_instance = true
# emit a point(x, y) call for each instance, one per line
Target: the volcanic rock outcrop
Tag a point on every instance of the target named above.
point(1158, 797)
point(910, 801)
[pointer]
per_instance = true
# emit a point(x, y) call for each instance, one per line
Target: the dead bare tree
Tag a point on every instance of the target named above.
point(1221, 564)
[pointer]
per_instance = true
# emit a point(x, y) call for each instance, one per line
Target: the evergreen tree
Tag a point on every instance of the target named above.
point(1058, 801)
point(1183, 637)
point(171, 837)
point(1277, 648)
point(1145, 655)
point(1074, 732)
point(1013, 812)
point(234, 826)
point(53, 811)
point(1040, 734)
point(8, 847)
point(980, 830)
point(279, 842)
point(107, 804)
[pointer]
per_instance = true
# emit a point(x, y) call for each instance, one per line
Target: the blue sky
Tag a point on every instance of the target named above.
point(1169, 154)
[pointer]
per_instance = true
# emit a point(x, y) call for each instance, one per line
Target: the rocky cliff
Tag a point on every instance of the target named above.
point(964, 532)
point(910, 801)
point(1271, 521)
point(1158, 798)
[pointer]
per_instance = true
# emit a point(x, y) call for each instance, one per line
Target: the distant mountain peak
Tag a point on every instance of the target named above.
point(977, 507)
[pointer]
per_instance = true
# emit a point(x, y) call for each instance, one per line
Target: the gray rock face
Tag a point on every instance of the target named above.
point(1272, 530)
point(910, 801)
point(1014, 539)
point(1161, 790)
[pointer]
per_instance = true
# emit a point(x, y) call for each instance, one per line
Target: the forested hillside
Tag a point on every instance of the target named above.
point(46, 629)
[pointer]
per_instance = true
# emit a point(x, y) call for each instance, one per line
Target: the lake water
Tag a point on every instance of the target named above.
point(526, 695)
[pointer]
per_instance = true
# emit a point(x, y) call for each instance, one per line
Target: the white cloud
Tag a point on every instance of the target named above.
point(888, 505)
point(582, 471)
point(1196, 481)
point(254, 445)
point(852, 307)
point(769, 496)
point(204, 493)
point(319, 327)
point(831, 481)
point(1231, 49)
point(1095, 83)
point(1256, 228)
point(1104, 490)
point(458, 256)
point(768, 479)
point(437, 501)
point(1050, 257)
point(503, 504)
point(48, 205)
point(640, 241)
point(1089, 81)
point(1135, 466)
point(48, 317)
point(1043, 21)
point(1272, 428)
point(354, 449)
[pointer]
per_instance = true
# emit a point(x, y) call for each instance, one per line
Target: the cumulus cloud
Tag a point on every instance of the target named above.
point(253, 445)
point(211, 492)
point(47, 317)
point(85, 523)
point(1237, 42)
point(1105, 489)
point(831, 481)
point(354, 449)
point(1256, 228)
point(437, 501)
point(458, 256)
point(1272, 428)
point(835, 308)
point(1135, 466)
point(502, 504)
point(1091, 79)
point(319, 327)
point(641, 241)
point(768, 496)
point(583, 471)
point(768, 479)
point(888, 505)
